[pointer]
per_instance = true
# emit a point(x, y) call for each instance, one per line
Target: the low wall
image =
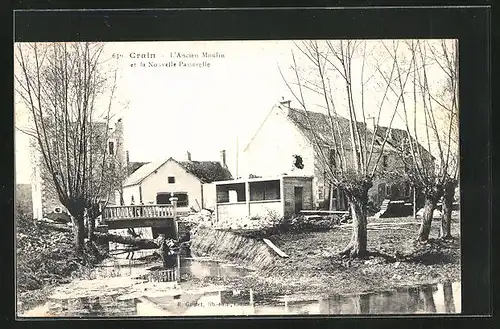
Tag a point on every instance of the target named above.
point(225, 245)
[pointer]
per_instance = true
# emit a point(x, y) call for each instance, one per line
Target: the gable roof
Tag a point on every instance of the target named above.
point(323, 130)
point(144, 171)
point(133, 166)
point(399, 137)
point(322, 125)
point(205, 171)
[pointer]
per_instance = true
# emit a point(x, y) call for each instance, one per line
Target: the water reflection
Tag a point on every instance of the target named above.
point(440, 298)
point(132, 289)
point(105, 306)
point(181, 269)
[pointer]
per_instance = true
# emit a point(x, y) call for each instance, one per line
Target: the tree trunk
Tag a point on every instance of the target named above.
point(428, 297)
point(357, 245)
point(330, 199)
point(425, 226)
point(106, 237)
point(446, 211)
point(449, 304)
point(103, 237)
point(91, 227)
point(361, 304)
point(139, 243)
point(414, 202)
point(79, 232)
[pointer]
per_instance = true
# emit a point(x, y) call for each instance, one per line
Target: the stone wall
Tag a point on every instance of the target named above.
point(289, 184)
point(225, 245)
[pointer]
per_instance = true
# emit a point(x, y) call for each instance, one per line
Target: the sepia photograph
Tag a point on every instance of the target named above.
point(242, 178)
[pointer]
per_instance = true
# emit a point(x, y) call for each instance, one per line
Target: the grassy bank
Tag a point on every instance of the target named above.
point(44, 259)
point(313, 266)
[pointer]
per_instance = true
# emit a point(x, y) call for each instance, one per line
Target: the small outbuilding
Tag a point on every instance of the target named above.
point(190, 181)
point(283, 195)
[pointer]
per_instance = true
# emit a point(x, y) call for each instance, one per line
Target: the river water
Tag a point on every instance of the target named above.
point(122, 287)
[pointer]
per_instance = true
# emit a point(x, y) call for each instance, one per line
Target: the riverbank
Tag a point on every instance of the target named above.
point(312, 271)
point(44, 260)
point(314, 267)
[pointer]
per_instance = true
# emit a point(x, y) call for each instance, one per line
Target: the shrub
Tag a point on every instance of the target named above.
point(44, 256)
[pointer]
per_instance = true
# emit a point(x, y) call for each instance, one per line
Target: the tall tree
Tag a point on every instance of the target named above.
point(430, 111)
point(63, 85)
point(348, 151)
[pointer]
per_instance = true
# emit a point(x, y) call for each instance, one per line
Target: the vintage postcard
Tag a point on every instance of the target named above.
point(208, 178)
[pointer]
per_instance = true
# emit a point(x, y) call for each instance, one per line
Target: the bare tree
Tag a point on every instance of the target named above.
point(63, 85)
point(446, 57)
point(431, 116)
point(348, 151)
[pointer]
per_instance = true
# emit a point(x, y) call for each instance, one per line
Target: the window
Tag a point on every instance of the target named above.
point(268, 190)
point(171, 179)
point(388, 190)
point(182, 199)
point(223, 192)
point(320, 193)
point(384, 161)
point(111, 148)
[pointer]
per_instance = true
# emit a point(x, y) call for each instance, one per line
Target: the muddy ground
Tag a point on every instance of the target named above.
point(313, 266)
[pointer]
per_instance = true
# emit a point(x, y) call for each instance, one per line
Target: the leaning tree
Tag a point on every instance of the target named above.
point(348, 151)
point(69, 91)
point(430, 111)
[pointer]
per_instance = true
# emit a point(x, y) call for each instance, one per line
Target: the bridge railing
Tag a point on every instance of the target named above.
point(139, 211)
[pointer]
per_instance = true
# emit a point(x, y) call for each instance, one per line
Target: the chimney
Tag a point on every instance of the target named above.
point(371, 122)
point(285, 103)
point(223, 158)
point(188, 156)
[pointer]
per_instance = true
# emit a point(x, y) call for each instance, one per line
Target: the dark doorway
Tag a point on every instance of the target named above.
point(381, 192)
point(395, 195)
point(163, 198)
point(298, 193)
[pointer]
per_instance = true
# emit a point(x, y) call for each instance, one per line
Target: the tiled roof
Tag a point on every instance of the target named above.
point(398, 139)
point(205, 171)
point(133, 166)
point(322, 127)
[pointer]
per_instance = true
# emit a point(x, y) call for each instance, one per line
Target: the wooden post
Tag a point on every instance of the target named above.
point(414, 202)
point(173, 201)
point(178, 269)
point(216, 210)
point(282, 195)
point(330, 206)
point(247, 196)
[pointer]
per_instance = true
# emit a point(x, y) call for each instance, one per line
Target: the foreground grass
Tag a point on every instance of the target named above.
point(44, 259)
point(314, 267)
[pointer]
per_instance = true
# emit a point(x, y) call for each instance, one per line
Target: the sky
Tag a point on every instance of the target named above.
point(204, 109)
